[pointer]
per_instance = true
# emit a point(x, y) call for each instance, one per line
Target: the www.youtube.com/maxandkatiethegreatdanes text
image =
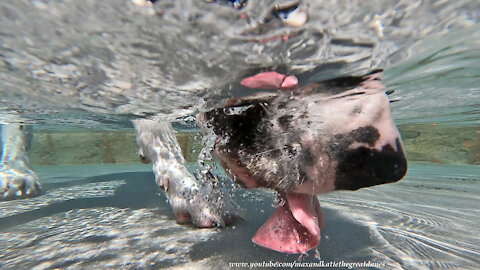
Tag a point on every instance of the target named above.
point(319, 264)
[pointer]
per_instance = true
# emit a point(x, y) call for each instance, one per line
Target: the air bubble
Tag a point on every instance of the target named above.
point(279, 202)
point(317, 254)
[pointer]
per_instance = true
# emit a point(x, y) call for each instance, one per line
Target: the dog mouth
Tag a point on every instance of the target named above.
point(306, 140)
point(294, 226)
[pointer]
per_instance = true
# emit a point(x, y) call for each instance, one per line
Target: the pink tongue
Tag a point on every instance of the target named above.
point(293, 227)
point(270, 80)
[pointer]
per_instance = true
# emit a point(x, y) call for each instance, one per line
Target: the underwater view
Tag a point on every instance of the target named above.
point(203, 134)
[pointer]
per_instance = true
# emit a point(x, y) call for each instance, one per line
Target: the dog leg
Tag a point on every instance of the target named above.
point(192, 200)
point(17, 179)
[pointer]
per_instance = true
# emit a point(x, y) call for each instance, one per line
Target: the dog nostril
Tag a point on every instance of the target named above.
point(143, 159)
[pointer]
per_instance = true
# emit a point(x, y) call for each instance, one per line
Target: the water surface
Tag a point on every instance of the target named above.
point(99, 64)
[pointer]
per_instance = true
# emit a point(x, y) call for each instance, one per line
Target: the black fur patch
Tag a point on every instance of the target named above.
point(307, 158)
point(243, 129)
point(340, 142)
point(357, 110)
point(284, 121)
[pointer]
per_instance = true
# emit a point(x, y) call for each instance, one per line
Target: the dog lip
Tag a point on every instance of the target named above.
point(230, 161)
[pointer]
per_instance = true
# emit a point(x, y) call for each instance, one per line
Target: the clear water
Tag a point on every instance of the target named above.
point(112, 216)
point(99, 64)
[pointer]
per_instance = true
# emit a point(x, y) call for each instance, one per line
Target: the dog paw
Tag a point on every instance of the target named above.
point(204, 212)
point(202, 205)
point(18, 183)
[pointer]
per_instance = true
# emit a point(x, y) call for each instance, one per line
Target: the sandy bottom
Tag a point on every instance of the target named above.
point(114, 217)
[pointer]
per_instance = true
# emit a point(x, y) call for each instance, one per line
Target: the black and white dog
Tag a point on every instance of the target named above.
point(298, 140)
